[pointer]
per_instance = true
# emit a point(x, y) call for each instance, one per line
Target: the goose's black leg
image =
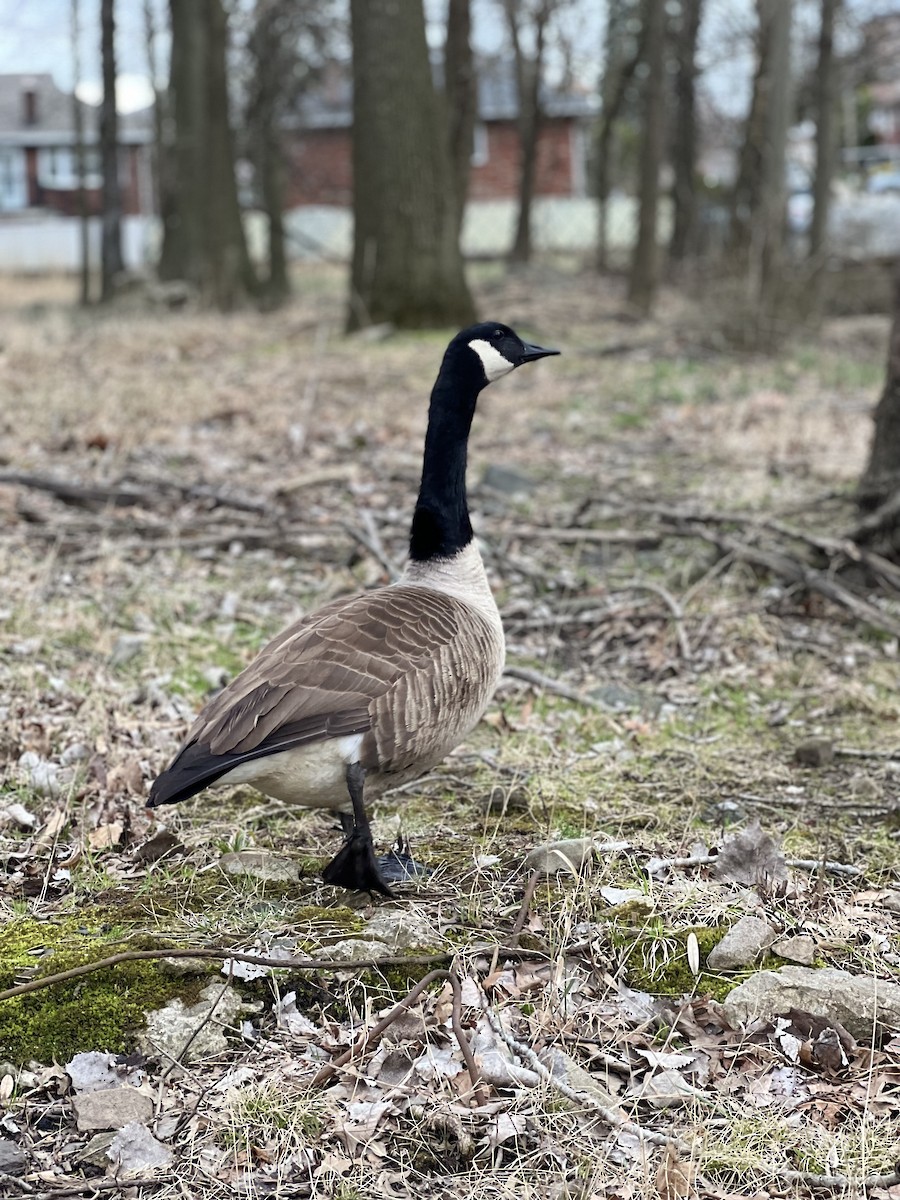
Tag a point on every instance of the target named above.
point(354, 866)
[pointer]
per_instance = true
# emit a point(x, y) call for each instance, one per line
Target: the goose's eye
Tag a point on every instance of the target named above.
point(498, 334)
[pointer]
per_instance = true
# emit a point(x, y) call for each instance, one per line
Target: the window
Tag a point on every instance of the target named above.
point(480, 145)
point(13, 187)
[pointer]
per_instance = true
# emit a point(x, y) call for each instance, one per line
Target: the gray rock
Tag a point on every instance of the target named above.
point(400, 929)
point(814, 752)
point(799, 949)
point(127, 647)
point(858, 1002)
point(570, 855)
point(260, 864)
point(192, 1032)
point(506, 480)
point(891, 901)
point(568, 1071)
point(111, 1108)
point(134, 1150)
point(357, 950)
point(94, 1153)
point(13, 1159)
point(742, 944)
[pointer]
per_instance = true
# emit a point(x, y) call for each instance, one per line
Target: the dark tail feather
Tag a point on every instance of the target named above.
point(193, 770)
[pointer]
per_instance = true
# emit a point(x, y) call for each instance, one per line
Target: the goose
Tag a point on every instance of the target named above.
point(371, 690)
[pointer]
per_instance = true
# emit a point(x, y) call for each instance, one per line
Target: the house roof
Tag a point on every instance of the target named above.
point(330, 106)
point(54, 120)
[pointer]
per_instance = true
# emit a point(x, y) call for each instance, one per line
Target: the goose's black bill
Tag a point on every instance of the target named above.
point(531, 352)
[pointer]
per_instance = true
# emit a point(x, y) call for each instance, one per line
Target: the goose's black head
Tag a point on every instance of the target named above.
point(486, 351)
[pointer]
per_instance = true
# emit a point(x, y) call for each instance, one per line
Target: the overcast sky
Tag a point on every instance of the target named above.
point(35, 35)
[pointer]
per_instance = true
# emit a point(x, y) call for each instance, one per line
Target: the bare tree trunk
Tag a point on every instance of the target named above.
point(407, 267)
point(84, 266)
point(618, 74)
point(159, 101)
point(826, 122)
point(644, 264)
point(758, 205)
point(684, 148)
point(881, 479)
point(111, 261)
point(461, 84)
point(204, 239)
point(528, 87)
point(271, 62)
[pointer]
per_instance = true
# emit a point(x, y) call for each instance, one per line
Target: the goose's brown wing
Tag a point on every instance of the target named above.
point(383, 659)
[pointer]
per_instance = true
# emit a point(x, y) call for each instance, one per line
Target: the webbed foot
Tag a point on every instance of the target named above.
point(355, 866)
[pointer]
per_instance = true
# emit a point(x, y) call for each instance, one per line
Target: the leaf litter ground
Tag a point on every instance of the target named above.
point(175, 488)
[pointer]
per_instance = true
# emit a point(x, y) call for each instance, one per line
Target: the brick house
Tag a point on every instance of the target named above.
point(320, 151)
point(38, 167)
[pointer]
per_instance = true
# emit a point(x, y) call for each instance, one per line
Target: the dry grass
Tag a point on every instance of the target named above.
point(108, 643)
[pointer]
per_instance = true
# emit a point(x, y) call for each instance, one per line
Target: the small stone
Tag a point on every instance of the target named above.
point(864, 787)
point(127, 647)
point(506, 480)
point(799, 949)
point(13, 1159)
point(357, 950)
point(860, 1003)
point(815, 752)
point(569, 854)
point(891, 901)
point(399, 929)
point(94, 1153)
point(195, 1031)
point(111, 1108)
point(564, 1068)
point(500, 800)
point(260, 864)
point(18, 814)
point(134, 1150)
point(742, 944)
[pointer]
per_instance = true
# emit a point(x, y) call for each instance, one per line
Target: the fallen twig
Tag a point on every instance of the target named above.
point(799, 864)
point(88, 1187)
point(549, 684)
point(522, 915)
point(614, 1119)
point(374, 1034)
point(834, 1183)
point(674, 608)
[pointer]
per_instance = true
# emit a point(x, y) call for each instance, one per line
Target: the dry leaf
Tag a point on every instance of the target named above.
point(105, 836)
point(675, 1179)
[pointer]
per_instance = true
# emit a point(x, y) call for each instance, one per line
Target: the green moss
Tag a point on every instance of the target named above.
point(99, 1011)
point(656, 960)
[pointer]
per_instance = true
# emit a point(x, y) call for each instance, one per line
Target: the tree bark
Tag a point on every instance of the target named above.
point(684, 147)
point(461, 86)
point(621, 64)
point(407, 268)
point(270, 44)
point(644, 264)
point(204, 240)
point(881, 479)
point(84, 265)
point(111, 261)
point(826, 128)
point(529, 72)
point(758, 205)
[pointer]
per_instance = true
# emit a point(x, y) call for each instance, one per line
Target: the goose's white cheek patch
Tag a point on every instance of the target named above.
point(492, 360)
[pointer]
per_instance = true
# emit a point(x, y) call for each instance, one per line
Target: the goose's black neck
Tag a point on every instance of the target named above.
point(441, 525)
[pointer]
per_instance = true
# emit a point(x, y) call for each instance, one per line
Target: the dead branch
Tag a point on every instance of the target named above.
point(614, 1119)
point(374, 1034)
point(674, 608)
point(88, 1187)
point(799, 864)
point(796, 572)
point(549, 684)
point(522, 915)
point(613, 537)
point(837, 1183)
